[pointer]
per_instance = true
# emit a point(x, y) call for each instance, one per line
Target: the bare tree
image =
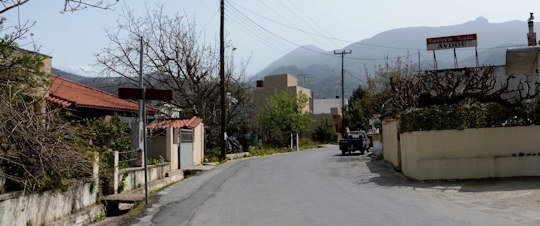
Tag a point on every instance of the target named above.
point(174, 58)
point(450, 87)
point(69, 5)
point(39, 149)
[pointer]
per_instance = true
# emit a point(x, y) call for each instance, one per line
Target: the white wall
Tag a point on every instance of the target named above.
point(198, 144)
point(391, 142)
point(134, 177)
point(471, 153)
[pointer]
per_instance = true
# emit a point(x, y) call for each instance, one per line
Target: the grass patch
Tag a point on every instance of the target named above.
point(137, 209)
point(212, 155)
point(377, 137)
point(306, 143)
point(100, 217)
point(261, 151)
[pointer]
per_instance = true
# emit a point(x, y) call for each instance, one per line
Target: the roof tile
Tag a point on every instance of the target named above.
point(175, 123)
point(68, 93)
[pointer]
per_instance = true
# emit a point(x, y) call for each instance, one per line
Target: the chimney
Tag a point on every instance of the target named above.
point(531, 36)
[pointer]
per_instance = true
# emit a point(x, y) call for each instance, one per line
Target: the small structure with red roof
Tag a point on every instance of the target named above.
point(178, 141)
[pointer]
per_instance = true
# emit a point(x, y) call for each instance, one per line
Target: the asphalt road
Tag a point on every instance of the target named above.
point(314, 187)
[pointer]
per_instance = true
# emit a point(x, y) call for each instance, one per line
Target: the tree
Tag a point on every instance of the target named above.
point(69, 5)
point(325, 132)
point(39, 149)
point(174, 58)
point(284, 114)
point(355, 117)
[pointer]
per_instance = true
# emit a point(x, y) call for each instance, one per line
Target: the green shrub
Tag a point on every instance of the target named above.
point(441, 118)
point(261, 151)
point(467, 116)
point(324, 132)
point(306, 143)
point(153, 162)
point(212, 155)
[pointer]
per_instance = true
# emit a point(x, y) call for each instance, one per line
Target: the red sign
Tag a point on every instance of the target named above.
point(452, 42)
point(151, 94)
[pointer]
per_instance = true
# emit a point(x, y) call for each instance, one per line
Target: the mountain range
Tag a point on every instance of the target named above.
point(320, 70)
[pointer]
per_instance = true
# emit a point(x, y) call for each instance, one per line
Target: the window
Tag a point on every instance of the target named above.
point(186, 135)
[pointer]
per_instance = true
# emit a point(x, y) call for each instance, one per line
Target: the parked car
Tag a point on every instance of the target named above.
point(354, 141)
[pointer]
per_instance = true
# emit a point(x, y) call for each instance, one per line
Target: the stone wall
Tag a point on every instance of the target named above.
point(50, 207)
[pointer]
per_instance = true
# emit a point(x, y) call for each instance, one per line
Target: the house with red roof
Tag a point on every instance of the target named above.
point(90, 102)
point(178, 141)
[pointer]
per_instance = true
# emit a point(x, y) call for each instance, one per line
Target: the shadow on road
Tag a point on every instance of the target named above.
point(383, 174)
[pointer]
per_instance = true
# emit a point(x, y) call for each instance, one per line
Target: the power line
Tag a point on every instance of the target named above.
point(297, 16)
point(275, 35)
point(255, 31)
point(309, 18)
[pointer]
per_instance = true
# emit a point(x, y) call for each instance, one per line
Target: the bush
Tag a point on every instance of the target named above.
point(261, 151)
point(306, 143)
point(324, 132)
point(467, 116)
point(212, 155)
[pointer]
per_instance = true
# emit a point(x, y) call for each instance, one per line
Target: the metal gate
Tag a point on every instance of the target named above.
point(185, 150)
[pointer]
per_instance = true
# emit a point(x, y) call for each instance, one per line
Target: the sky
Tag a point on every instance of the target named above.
point(260, 31)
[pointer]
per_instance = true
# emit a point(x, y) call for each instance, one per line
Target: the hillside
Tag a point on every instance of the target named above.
point(322, 71)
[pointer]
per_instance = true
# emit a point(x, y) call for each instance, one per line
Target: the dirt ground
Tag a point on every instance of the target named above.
point(515, 198)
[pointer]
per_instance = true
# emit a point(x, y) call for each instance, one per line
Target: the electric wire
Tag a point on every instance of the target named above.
point(284, 19)
point(268, 33)
point(302, 20)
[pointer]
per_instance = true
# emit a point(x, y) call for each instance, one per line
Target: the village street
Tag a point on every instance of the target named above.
point(321, 187)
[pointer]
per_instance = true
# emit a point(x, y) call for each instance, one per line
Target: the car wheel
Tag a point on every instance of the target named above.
point(343, 153)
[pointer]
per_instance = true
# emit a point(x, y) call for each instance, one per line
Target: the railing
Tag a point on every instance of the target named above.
point(130, 158)
point(122, 160)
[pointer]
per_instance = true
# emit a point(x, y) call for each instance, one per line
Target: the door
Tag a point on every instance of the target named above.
point(186, 148)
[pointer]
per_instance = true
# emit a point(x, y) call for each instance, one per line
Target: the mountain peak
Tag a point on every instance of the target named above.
point(481, 20)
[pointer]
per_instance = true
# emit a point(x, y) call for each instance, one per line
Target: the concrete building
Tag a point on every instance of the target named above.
point(273, 84)
point(524, 61)
point(329, 109)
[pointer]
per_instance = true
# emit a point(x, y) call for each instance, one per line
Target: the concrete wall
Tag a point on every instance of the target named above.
point(298, 90)
point(158, 147)
point(471, 153)
point(280, 81)
point(198, 144)
point(171, 143)
point(49, 207)
point(134, 177)
point(277, 83)
point(391, 146)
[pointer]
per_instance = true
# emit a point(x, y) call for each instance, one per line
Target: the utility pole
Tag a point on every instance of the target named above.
point(142, 117)
point(222, 81)
point(342, 53)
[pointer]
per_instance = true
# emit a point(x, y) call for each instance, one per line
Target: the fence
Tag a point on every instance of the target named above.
point(130, 158)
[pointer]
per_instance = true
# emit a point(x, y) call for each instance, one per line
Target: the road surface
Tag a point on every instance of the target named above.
point(313, 187)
